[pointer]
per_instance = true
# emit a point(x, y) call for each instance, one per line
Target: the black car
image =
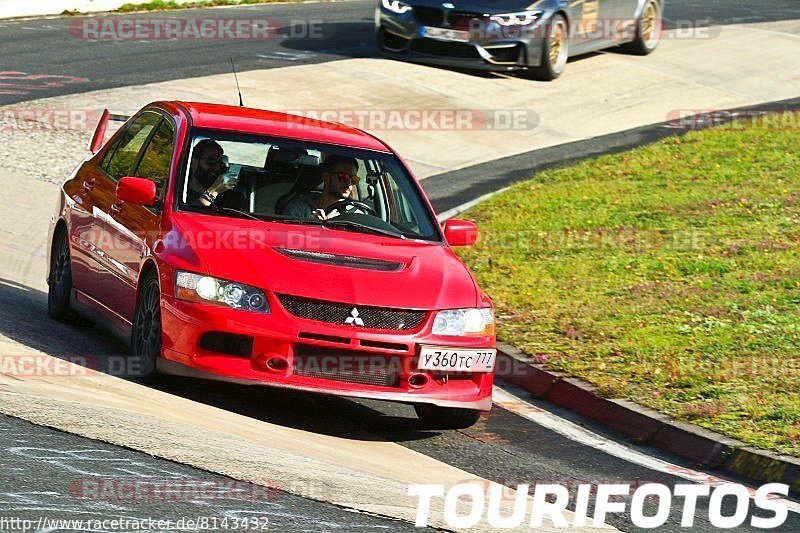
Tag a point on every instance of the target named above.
point(514, 34)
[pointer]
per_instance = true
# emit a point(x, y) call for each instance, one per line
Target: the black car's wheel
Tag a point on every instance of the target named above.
point(648, 30)
point(146, 334)
point(435, 417)
point(555, 51)
point(60, 283)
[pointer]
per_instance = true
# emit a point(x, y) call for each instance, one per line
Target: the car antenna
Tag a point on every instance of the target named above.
point(241, 104)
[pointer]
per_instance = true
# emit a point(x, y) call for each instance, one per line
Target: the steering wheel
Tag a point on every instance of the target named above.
point(357, 206)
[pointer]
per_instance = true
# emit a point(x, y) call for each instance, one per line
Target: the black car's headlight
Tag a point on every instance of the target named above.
point(206, 289)
point(396, 6)
point(523, 18)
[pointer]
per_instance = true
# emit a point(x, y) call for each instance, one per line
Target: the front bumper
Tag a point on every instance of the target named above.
point(399, 35)
point(317, 356)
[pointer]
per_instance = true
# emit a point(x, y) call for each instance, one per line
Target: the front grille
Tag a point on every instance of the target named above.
point(352, 315)
point(445, 48)
point(429, 16)
point(347, 365)
point(460, 19)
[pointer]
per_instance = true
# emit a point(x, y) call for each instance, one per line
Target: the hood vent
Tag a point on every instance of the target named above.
point(342, 260)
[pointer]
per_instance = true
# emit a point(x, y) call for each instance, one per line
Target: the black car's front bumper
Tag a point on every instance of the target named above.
point(399, 34)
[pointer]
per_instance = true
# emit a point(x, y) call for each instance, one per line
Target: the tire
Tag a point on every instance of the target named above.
point(555, 51)
point(648, 31)
point(59, 283)
point(146, 334)
point(435, 417)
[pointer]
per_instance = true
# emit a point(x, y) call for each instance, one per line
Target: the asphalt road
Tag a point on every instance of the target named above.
point(48, 57)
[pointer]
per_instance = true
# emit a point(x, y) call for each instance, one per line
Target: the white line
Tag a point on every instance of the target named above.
point(450, 213)
point(572, 431)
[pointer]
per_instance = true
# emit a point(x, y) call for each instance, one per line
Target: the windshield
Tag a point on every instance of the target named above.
point(299, 182)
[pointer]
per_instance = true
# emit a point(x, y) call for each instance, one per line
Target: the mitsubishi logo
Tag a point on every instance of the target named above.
point(354, 319)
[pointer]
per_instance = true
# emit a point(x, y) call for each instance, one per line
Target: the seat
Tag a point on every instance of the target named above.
point(308, 179)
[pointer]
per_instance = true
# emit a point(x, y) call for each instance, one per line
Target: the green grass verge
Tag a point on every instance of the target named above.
point(164, 5)
point(669, 275)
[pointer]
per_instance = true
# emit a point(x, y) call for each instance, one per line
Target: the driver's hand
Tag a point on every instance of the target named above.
point(224, 183)
point(320, 214)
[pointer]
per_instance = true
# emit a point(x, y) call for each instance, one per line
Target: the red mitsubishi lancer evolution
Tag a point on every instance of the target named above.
point(263, 248)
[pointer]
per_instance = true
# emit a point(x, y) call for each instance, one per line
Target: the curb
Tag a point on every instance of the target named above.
point(646, 426)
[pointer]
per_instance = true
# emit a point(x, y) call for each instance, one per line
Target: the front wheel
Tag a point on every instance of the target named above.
point(146, 334)
point(648, 31)
point(435, 417)
point(59, 284)
point(555, 51)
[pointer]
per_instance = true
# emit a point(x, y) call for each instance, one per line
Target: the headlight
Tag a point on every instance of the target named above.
point(396, 6)
point(516, 19)
point(205, 289)
point(465, 322)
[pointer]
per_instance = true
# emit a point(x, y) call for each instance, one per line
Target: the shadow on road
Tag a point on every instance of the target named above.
point(23, 318)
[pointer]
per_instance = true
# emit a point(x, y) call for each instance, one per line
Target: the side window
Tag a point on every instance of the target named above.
point(127, 150)
point(157, 157)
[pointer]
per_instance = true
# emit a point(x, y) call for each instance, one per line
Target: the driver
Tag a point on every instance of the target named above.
point(339, 178)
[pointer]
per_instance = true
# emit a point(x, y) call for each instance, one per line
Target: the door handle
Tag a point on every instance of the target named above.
point(88, 185)
point(116, 208)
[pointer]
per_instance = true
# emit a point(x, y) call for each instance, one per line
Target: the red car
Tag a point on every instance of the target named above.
point(263, 248)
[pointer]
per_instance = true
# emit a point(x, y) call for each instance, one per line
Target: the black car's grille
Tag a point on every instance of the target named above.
point(460, 19)
point(352, 315)
point(445, 48)
point(430, 16)
point(347, 365)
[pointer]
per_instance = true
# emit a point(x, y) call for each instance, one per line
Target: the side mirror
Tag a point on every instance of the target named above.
point(138, 191)
point(460, 232)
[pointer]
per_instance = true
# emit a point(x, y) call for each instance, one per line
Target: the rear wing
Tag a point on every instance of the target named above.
point(100, 132)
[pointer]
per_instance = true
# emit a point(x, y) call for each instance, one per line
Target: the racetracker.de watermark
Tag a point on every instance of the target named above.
point(196, 29)
point(171, 490)
point(764, 119)
point(418, 119)
point(618, 30)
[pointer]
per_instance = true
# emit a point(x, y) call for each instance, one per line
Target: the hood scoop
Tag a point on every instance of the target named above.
point(342, 260)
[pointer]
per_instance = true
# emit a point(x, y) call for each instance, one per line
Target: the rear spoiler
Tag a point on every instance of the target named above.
point(100, 132)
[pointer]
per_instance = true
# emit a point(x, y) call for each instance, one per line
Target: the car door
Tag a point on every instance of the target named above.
point(113, 286)
point(134, 228)
point(587, 22)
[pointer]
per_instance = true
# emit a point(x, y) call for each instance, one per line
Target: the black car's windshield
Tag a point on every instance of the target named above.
point(294, 181)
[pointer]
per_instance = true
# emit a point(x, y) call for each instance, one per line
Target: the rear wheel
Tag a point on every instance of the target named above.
point(435, 417)
point(555, 51)
point(146, 334)
point(648, 31)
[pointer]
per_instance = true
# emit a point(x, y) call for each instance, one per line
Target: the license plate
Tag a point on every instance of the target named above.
point(457, 359)
point(444, 34)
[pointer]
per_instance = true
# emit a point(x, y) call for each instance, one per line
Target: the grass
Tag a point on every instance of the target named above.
point(164, 5)
point(669, 275)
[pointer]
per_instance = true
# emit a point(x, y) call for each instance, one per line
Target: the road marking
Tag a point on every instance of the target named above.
point(286, 56)
point(572, 431)
point(450, 213)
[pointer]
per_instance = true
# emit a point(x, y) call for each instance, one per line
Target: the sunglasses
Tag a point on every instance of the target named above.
point(344, 176)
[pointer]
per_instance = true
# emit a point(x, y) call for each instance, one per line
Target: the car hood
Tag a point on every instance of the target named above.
point(479, 6)
point(312, 262)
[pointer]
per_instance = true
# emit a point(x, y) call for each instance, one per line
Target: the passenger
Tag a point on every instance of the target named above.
point(207, 183)
point(339, 178)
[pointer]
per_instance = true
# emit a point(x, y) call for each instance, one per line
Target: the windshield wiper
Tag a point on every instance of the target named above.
point(235, 211)
point(349, 224)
